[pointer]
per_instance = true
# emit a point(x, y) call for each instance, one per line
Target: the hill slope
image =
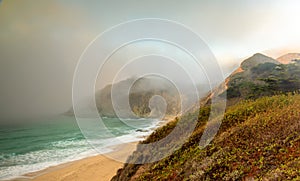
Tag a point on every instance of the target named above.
point(258, 138)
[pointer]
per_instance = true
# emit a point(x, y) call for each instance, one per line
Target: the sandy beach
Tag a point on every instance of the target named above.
point(100, 167)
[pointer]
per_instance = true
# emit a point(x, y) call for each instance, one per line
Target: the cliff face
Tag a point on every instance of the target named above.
point(258, 137)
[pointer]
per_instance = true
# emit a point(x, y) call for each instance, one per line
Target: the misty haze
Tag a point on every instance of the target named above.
point(149, 90)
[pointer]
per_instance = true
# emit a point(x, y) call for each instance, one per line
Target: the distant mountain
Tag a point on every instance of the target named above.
point(146, 97)
point(289, 58)
point(140, 95)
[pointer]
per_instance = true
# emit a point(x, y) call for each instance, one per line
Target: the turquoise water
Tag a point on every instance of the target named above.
point(31, 147)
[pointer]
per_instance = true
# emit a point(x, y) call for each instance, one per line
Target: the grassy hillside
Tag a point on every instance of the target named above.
point(258, 139)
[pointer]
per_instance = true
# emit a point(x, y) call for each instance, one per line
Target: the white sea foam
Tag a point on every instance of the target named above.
point(63, 151)
point(38, 160)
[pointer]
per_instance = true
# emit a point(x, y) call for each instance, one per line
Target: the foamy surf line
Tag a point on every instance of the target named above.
point(22, 171)
point(17, 171)
point(83, 150)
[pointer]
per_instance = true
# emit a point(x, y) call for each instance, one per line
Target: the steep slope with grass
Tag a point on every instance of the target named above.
point(257, 139)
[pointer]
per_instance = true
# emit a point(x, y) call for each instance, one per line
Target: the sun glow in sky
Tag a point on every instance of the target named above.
point(41, 41)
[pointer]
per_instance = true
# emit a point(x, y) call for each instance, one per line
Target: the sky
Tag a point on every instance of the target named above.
point(42, 41)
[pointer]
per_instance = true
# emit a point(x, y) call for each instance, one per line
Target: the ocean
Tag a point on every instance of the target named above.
point(31, 147)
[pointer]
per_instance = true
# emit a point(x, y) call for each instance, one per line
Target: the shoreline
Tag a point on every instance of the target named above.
point(103, 166)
